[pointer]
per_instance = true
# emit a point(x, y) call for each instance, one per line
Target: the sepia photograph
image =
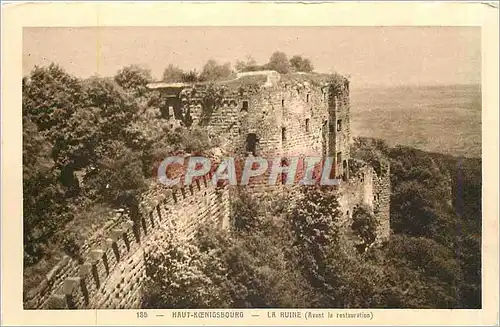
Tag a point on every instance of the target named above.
point(249, 164)
point(243, 167)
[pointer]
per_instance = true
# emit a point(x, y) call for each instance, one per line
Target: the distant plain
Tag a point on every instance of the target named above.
point(442, 119)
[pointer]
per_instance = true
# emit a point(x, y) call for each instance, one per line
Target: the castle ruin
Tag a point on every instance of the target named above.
point(262, 114)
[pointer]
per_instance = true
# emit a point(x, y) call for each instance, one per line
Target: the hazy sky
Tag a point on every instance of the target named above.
point(371, 55)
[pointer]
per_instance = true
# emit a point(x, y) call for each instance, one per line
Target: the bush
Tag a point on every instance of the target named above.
point(365, 226)
point(71, 245)
point(134, 79)
point(245, 216)
point(315, 222)
point(177, 277)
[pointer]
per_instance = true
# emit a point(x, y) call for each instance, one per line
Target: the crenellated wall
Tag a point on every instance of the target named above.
point(113, 268)
point(291, 117)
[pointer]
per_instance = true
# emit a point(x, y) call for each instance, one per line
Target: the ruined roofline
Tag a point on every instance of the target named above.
point(262, 78)
point(259, 77)
point(164, 85)
point(258, 72)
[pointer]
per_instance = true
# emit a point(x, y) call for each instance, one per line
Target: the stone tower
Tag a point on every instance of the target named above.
point(339, 127)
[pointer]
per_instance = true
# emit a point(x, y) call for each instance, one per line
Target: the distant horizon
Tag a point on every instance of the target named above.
point(371, 56)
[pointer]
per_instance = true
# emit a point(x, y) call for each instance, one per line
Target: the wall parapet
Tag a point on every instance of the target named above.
point(103, 273)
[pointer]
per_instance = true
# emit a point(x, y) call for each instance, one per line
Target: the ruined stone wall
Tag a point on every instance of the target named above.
point(339, 127)
point(283, 118)
point(366, 187)
point(110, 276)
point(305, 111)
point(224, 119)
point(355, 192)
point(287, 119)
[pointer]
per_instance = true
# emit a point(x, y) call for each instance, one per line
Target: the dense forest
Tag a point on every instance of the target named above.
point(90, 145)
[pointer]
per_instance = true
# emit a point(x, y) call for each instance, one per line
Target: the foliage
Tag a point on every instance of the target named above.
point(213, 71)
point(71, 244)
point(434, 268)
point(193, 140)
point(315, 222)
point(178, 276)
point(369, 153)
point(134, 79)
point(300, 64)
point(50, 97)
point(118, 176)
point(279, 62)
point(247, 66)
point(190, 76)
point(211, 101)
point(423, 265)
point(106, 131)
point(88, 143)
point(245, 215)
point(364, 224)
point(45, 206)
point(173, 74)
point(435, 198)
point(337, 82)
point(247, 269)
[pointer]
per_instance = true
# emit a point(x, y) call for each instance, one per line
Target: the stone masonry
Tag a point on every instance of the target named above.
point(111, 274)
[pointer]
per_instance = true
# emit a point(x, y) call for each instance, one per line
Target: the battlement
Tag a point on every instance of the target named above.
point(112, 270)
point(262, 114)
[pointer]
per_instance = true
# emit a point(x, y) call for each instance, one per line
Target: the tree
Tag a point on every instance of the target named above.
point(315, 224)
point(247, 66)
point(300, 64)
point(117, 107)
point(50, 97)
point(340, 278)
point(213, 71)
point(413, 210)
point(279, 62)
point(179, 275)
point(134, 79)
point(118, 176)
point(45, 206)
point(245, 216)
point(173, 74)
point(74, 143)
point(432, 272)
point(260, 271)
point(190, 76)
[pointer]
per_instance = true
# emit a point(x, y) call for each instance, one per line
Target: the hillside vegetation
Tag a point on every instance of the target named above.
point(293, 255)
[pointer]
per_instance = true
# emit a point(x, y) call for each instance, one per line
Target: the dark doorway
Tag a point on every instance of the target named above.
point(251, 143)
